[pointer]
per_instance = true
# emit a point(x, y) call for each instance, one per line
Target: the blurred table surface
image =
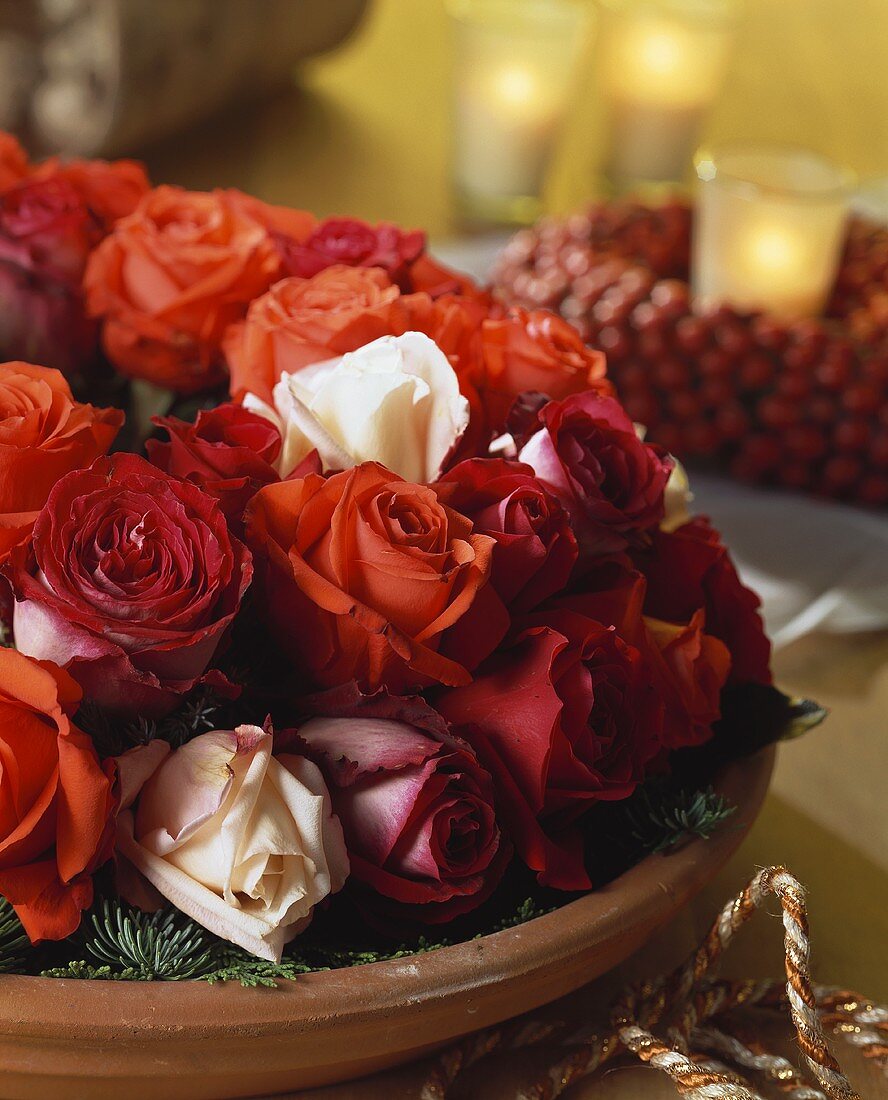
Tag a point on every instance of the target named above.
point(365, 133)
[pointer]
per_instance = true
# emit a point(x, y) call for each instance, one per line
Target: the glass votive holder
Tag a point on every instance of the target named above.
point(768, 229)
point(514, 64)
point(660, 66)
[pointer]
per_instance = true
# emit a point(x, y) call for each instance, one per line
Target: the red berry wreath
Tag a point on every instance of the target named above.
point(802, 404)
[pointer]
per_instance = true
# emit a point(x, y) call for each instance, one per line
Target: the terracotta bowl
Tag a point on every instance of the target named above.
point(89, 1039)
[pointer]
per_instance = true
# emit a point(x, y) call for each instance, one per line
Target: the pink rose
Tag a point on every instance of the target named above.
point(416, 807)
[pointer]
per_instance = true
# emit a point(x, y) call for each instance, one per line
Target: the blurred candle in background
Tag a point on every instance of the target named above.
point(768, 229)
point(514, 64)
point(661, 64)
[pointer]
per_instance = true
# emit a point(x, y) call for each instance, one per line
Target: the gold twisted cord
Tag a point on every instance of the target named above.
point(693, 1005)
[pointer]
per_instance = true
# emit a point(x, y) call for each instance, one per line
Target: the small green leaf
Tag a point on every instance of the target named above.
point(14, 941)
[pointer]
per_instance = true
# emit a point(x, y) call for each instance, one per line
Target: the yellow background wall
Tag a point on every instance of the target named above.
point(369, 133)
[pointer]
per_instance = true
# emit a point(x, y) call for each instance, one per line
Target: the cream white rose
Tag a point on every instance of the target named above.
point(244, 842)
point(395, 401)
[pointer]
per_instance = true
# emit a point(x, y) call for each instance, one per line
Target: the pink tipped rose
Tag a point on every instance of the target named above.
point(587, 452)
point(416, 807)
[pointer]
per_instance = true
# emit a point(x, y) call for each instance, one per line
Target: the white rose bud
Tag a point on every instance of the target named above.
point(244, 842)
point(395, 401)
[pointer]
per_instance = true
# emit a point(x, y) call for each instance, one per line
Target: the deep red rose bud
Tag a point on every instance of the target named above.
point(354, 243)
point(687, 666)
point(689, 569)
point(133, 581)
point(228, 451)
point(563, 717)
point(587, 452)
point(416, 806)
point(535, 547)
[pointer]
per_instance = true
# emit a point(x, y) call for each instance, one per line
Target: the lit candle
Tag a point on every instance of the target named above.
point(768, 229)
point(514, 64)
point(661, 65)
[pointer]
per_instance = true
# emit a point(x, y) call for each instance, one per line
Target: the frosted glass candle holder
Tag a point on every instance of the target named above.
point(514, 64)
point(768, 229)
point(660, 66)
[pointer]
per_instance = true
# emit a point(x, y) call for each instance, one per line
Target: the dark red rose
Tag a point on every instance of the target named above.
point(133, 581)
point(563, 717)
point(535, 547)
point(417, 808)
point(228, 451)
point(44, 321)
point(588, 454)
point(354, 243)
point(689, 569)
point(687, 666)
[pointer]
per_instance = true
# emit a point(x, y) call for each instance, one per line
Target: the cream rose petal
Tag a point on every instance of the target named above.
point(252, 870)
point(395, 401)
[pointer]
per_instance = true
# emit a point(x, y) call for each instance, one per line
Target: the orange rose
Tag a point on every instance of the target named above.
point(535, 351)
point(44, 433)
point(176, 273)
point(370, 578)
point(304, 321)
point(13, 161)
point(56, 802)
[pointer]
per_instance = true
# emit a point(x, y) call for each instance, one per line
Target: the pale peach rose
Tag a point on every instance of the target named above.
point(244, 842)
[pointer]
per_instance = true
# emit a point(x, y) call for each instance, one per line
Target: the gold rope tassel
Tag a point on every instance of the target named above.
point(688, 1000)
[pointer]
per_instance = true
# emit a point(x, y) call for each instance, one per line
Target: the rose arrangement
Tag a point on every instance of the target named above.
point(395, 618)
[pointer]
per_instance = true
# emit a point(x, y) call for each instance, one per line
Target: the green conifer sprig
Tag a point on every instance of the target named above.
point(162, 946)
point(661, 816)
point(14, 942)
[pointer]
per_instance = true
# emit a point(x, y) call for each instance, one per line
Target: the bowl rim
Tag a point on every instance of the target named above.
point(78, 1009)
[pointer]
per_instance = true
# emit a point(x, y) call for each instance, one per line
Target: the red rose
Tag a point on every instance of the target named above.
point(535, 546)
point(564, 716)
point(416, 807)
point(228, 451)
point(535, 351)
point(13, 161)
point(689, 569)
point(611, 482)
point(687, 666)
point(56, 802)
point(135, 579)
point(49, 224)
point(370, 578)
point(354, 243)
point(47, 230)
point(174, 274)
point(304, 321)
point(108, 189)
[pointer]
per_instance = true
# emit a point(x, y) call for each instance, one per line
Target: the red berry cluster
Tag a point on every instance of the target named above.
point(803, 404)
